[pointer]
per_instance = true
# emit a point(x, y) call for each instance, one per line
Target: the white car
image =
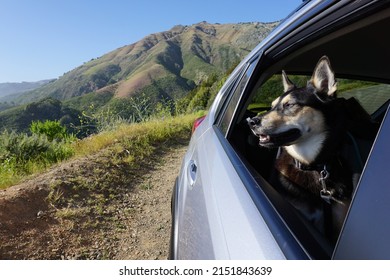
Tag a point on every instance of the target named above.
point(224, 206)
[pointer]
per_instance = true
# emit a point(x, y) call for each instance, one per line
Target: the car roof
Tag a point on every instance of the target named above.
point(345, 31)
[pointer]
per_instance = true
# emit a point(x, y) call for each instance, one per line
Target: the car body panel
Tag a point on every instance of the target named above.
point(219, 197)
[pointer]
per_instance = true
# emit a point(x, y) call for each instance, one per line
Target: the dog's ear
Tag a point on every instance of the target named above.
point(287, 84)
point(323, 78)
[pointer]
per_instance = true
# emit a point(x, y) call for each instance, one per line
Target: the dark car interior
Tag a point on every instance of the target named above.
point(353, 58)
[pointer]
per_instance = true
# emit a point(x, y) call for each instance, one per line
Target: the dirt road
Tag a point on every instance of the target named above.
point(37, 223)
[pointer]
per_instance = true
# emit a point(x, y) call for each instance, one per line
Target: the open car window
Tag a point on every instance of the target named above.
point(365, 100)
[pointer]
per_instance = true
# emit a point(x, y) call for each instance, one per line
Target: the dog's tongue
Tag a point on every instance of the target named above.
point(264, 138)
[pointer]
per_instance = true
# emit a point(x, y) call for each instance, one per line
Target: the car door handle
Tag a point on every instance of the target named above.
point(192, 171)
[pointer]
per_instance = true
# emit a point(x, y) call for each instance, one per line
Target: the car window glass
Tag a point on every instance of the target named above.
point(227, 115)
point(371, 96)
point(370, 207)
point(227, 88)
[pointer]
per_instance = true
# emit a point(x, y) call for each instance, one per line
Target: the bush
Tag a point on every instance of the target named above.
point(51, 129)
point(21, 154)
point(200, 100)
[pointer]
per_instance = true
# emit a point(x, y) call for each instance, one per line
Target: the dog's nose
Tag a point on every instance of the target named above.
point(253, 121)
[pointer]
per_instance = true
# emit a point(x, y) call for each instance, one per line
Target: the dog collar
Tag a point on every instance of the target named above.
point(328, 195)
point(315, 167)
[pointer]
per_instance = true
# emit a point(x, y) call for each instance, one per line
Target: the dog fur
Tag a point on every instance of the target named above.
point(308, 126)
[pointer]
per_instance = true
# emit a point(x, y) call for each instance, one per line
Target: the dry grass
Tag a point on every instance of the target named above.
point(138, 136)
point(129, 143)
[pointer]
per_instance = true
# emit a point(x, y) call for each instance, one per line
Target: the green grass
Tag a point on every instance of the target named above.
point(137, 136)
point(129, 143)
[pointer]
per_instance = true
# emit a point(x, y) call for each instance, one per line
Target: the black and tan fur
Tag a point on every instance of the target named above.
point(308, 125)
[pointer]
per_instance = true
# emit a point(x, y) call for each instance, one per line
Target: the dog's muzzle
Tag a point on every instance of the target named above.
point(253, 121)
point(255, 124)
point(269, 139)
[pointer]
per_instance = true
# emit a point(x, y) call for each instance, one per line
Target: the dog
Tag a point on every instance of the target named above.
point(308, 125)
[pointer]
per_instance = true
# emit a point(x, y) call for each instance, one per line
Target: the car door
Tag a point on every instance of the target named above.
point(367, 227)
point(218, 218)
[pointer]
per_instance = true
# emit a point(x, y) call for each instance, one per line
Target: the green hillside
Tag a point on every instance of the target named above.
point(133, 81)
point(20, 118)
point(169, 63)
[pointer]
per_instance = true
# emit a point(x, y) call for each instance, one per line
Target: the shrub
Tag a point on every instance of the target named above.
point(200, 100)
point(51, 129)
point(21, 154)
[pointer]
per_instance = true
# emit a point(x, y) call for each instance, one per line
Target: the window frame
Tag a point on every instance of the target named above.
point(262, 193)
point(236, 92)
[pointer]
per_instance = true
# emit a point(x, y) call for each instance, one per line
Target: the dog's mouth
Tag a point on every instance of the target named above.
point(279, 139)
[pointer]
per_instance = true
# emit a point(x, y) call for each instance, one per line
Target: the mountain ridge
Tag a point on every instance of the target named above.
point(177, 59)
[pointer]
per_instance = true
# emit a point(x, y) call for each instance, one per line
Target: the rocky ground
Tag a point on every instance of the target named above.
point(55, 215)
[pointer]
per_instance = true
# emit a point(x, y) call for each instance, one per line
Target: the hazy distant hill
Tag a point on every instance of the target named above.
point(13, 88)
point(165, 64)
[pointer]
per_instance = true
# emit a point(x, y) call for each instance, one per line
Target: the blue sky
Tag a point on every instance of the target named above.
point(43, 39)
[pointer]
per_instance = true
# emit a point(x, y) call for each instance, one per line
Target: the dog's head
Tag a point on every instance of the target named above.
point(296, 118)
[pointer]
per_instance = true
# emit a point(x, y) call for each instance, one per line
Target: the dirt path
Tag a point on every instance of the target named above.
point(150, 223)
point(36, 223)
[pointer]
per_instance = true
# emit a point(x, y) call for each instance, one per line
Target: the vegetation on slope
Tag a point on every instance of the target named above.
point(20, 118)
point(129, 129)
point(184, 55)
point(22, 155)
point(164, 67)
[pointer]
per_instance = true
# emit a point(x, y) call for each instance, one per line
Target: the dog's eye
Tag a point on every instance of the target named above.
point(288, 105)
